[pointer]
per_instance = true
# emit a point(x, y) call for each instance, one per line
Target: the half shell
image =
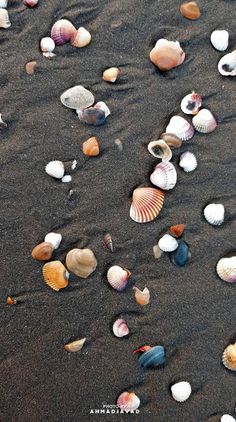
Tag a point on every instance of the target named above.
point(160, 149)
point(128, 402)
point(214, 214)
point(81, 262)
point(167, 243)
point(227, 64)
point(204, 121)
point(226, 269)
point(75, 346)
point(142, 297)
point(167, 54)
point(164, 176)
point(55, 169)
point(55, 275)
point(172, 140)
point(77, 97)
point(191, 103)
point(146, 204)
point(120, 328)
point(180, 127)
point(118, 277)
point(220, 40)
point(229, 357)
point(181, 391)
point(4, 19)
point(188, 161)
point(62, 31)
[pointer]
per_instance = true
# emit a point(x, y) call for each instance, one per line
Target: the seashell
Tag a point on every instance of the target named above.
point(191, 103)
point(181, 255)
point(146, 204)
point(102, 106)
point(67, 178)
point(157, 251)
point(204, 121)
point(75, 346)
point(73, 165)
point(11, 300)
point(55, 275)
point(91, 147)
point(120, 328)
point(151, 356)
point(30, 3)
point(118, 277)
point(160, 149)
point(53, 238)
point(108, 242)
point(81, 262)
point(3, 4)
point(128, 402)
point(181, 391)
point(167, 54)
point(164, 176)
point(3, 125)
point(30, 67)
point(111, 74)
point(55, 169)
point(92, 116)
point(214, 214)
point(62, 31)
point(142, 297)
point(4, 19)
point(229, 357)
point(47, 44)
point(220, 39)
point(167, 243)
point(177, 230)
point(226, 269)
point(119, 144)
point(81, 38)
point(42, 252)
point(227, 418)
point(180, 127)
point(188, 161)
point(77, 97)
point(190, 10)
point(227, 64)
point(172, 140)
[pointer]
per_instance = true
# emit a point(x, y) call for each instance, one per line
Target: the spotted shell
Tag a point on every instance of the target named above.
point(120, 328)
point(188, 161)
point(146, 204)
point(167, 54)
point(128, 401)
point(81, 262)
point(164, 176)
point(62, 31)
point(226, 269)
point(42, 252)
point(118, 277)
point(181, 391)
point(229, 357)
point(81, 38)
point(4, 19)
point(167, 243)
point(180, 127)
point(214, 214)
point(55, 275)
point(204, 121)
point(91, 147)
point(160, 149)
point(191, 103)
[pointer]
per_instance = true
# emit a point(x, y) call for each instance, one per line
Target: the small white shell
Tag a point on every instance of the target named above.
point(227, 64)
point(191, 103)
point(167, 243)
point(55, 169)
point(102, 106)
point(74, 164)
point(47, 44)
point(226, 269)
point(227, 418)
point(164, 153)
point(81, 38)
point(204, 121)
point(53, 238)
point(4, 19)
point(180, 127)
point(181, 391)
point(214, 214)
point(220, 39)
point(118, 277)
point(164, 176)
point(3, 4)
point(120, 328)
point(188, 161)
point(66, 179)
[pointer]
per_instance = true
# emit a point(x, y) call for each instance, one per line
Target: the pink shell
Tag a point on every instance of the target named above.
point(118, 277)
point(180, 127)
point(128, 401)
point(30, 3)
point(146, 204)
point(120, 328)
point(164, 176)
point(62, 31)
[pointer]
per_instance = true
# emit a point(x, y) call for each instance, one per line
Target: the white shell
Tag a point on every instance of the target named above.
point(180, 127)
point(120, 328)
point(214, 214)
point(220, 39)
point(53, 238)
point(117, 277)
point(74, 164)
point(55, 169)
point(82, 38)
point(128, 402)
point(188, 161)
point(47, 44)
point(77, 97)
point(4, 19)
point(204, 121)
point(167, 243)
point(191, 103)
point(102, 106)
point(164, 176)
point(66, 179)
point(3, 4)
point(181, 391)
point(227, 64)
point(227, 418)
point(226, 269)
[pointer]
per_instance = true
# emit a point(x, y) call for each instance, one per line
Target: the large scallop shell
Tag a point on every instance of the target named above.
point(167, 243)
point(62, 31)
point(167, 54)
point(91, 147)
point(180, 127)
point(81, 262)
point(188, 161)
point(55, 169)
point(164, 176)
point(171, 140)
point(181, 391)
point(42, 252)
point(229, 357)
point(128, 402)
point(75, 346)
point(227, 64)
point(214, 214)
point(190, 10)
point(142, 297)
point(191, 103)
point(55, 275)
point(220, 39)
point(77, 97)
point(160, 149)
point(226, 269)
point(53, 238)
point(146, 204)
point(204, 121)
point(4, 19)
point(120, 328)
point(111, 74)
point(81, 38)
point(118, 277)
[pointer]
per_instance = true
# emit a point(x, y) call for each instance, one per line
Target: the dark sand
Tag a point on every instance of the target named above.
point(192, 312)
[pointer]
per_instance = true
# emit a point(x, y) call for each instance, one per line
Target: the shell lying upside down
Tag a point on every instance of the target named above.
point(142, 297)
point(171, 140)
point(77, 97)
point(227, 64)
point(226, 269)
point(55, 275)
point(229, 357)
point(167, 54)
point(118, 277)
point(128, 402)
point(160, 149)
point(75, 346)
point(81, 262)
point(146, 204)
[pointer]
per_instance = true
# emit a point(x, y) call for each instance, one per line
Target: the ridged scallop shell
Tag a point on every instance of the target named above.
point(181, 391)
point(220, 39)
point(188, 161)
point(160, 149)
point(3, 4)
point(229, 357)
point(226, 269)
point(62, 31)
point(92, 116)
point(120, 328)
point(77, 97)
point(227, 418)
point(164, 176)
point(81, 38)
point(75, 346)
point(171, 140)
point(214, 214)
point(227, 64)
point(47, 44)
point(167, 54)
point(204, 121)
point(128, 402)
point(55, 275)
point(4, 19)
point(167, 243)
point(55, 169)
point(191, 103)
point(146, 204)
point(91, 147)
point(81, 262)
point(102, 106)
point(53, 238)
point(180, 127)
point(42, 252)
point(118, 277)
point(142, 297)
point(30, 3)
point(190, 10)
point(111, 74)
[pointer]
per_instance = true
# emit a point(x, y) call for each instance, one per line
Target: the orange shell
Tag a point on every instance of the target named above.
point(42, 252)
point(10, 301)
point(91, 147)
point(190, 10)
point(167, 54)
point(146, 204)
point(30, 67)
point(178, 229)
point(55, 275)
point(229, 357)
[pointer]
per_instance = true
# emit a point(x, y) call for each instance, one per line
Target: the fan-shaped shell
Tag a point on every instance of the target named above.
point(120, 328)
point(191, 103)
point(128, 402)
point(91, 147)
point(214, 214)
point(226, 269)
point(229, 357)
point(227, 418)
point(55, 275)
point(111, 74)
point(227, 64)
point(75, 346)
point(160, 149)
point(4, 19)
point(190, 10)
point(55, 169)
point(204, 121)
point(77, 97)
point(53, 238)
point(167, 54)
point(188, 161)
point(181, 391)
point(92, 116)
point(81, 38)
point(220, 39)
point(164, 176)
point(62, 31)
point(167, 243)
point(47, 44)
point(81, 262)
point(42, 252)
point(171, 140)
point(146, 204)
point(118, 277)
point(180, 127)
point(142, 297)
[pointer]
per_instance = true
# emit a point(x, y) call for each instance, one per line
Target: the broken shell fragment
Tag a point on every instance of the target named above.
point(172, 140)
point(3, 125)
point(108, 242)
point(118, 277)
point(53, 238)
point(190, 10)
point(177, 230)
point(157, 252)
point(180, 127)
point(214, 214)
point(220, 39)
point(92, 116)
point(55, 275)
point(146, 204)
point(128, 402)
point(188, 161)
point(30, 67)
point(62, 31)
point(181, 391)
point(167, 243)
point(55, 169)
point(160, 149)
point(42, 252)
point(227, 64)
point(111, 74)
point(226, 269)
point(120, 328)
point(91, 147)
point(167, 54)
point(77, 97)
point(75, 346)
point(81, 38)
point(229, 357)
point(164, 176)
point(4, 19)
point(142, 297)
point(81, 262)
point(191, 103)
point(204, 121)
point(102, 106)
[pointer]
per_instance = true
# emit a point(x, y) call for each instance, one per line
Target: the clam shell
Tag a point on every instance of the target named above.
point(181, 391)
point(102, 106)
point(164, 176)
point(111, 74)
point(128, 402)
point(108, 242)
point(67, 178)
point(81, 38)
point(181, 255)
point(220, 39)
point(4, 19)
point(75, 346)
point(30, 67)
point(188, 161)
point(177, 230)
point(118, 277)
point(191, 103)
point(62, 31)
point(227, 64)
point(167, 54)
point(214, 214)
point(227, 418)
point(30, 3)
point(204, 121)
point(142, 297)
point(55, 275)
point(81, 262)
point(190, 10)
point(47, 44)
point(92, 116)
point(180, 127)
point(160, 149)
point(226, 269)
point(167, 243)
point(42, 252)
point(3, 4)
point(91, 147)
point(171, 140)
point(120, 328)
point(55, 169)
point(77, 97)
point(229, 357)
point(152, 358)
point(146, 204)
point(53, 238)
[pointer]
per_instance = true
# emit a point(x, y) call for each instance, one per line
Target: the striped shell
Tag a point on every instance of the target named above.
point(229, 357)
point(181, 391)
point(62, 31)
point(118, 277)
point(55, 275)
point(146, 204)
point(160, 149)
point(204, 121)
point(226, 269)
point(180, 127)
point(188, 161)
point(164, 176)
point(227, 64)
point(120, 328)
point(128, 402)
point(220, 39)
point(4, 19)
point(191, 103)
point(81, 38)
point(168, 243)
point(108, 242)
point(214, 214)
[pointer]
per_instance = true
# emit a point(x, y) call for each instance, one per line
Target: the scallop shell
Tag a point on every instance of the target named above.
point(177, 230)
point(111, 74)
point(30, 3)
point(229, 357)
point(128, 402)
point(181, 391)
point(75, 346)
point(62, 31)
point(55, 275)
point(190, 10)
point(191, 103)
point(146, 204)
point(164, 176)
point(226, 269)
point(142, 297)
point(171, 140)
point(4, 19)
point(42, 252)
point(118, 277)
point(3, 125)
point(53, 238)
point(188, 161)
point(77, 97)
point(227, 64)
point(167, 243)
point(214, 214)
point(81, 38)
point(167, 54)
point(92, 116)
point(204, 121)
point(227, 418)
point(120, 328)
point(160, 149)
point(102, 106)
point(220, 39)
point(47, 44)
point(55, 169)
point(3, 4)
point(108, 242)
point(30, 67)
point(81, 262)
point(91, 147)
point(180, 127)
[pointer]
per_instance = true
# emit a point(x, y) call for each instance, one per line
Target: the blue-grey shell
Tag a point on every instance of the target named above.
point(181, 255)
point(92, 116)
point(152, 357)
